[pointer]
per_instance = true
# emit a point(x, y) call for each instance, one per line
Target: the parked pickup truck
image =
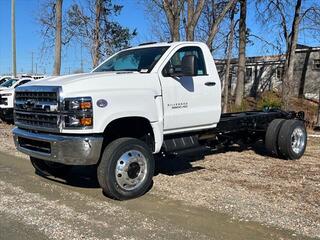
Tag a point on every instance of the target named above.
point(3, 79)
point(157, 98)
point(7, 95)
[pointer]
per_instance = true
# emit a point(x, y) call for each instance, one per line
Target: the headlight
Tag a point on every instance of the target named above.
point(78, 112)
point(83, 103)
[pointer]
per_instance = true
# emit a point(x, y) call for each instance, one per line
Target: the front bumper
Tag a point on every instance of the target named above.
point(66, 149)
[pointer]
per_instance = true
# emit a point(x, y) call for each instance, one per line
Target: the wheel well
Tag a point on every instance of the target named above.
point(135, 127)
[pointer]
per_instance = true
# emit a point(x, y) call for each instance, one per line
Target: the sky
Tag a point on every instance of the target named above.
point(29, 41)
point(28, 37)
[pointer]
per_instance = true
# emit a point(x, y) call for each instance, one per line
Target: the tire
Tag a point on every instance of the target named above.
point(126, 169)
point(271, 138)
point(292, 139)
point(48, 168)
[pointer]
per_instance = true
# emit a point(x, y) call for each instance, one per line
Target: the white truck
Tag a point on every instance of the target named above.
point(7, 96)
point(3, 79)
point(157, 98)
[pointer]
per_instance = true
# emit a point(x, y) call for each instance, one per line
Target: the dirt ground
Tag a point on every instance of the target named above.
point(246, 184)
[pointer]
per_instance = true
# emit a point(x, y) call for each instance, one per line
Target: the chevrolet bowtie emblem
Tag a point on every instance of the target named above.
point(30, 103)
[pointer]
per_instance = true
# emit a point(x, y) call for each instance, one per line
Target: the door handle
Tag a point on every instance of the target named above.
point(210, 84)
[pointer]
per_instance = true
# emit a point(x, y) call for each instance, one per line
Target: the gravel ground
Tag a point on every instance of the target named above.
point(252, 187)
point(246, 184)
point(6, 140)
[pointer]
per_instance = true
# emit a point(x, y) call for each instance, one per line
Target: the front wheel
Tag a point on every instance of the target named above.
point(126, 169)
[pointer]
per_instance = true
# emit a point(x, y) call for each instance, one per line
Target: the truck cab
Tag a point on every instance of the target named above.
point(146, 100)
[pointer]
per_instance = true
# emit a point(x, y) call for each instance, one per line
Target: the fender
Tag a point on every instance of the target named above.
point(155, 127)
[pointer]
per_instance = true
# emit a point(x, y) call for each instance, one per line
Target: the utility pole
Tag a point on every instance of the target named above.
point(13, 32)
point(32, 62)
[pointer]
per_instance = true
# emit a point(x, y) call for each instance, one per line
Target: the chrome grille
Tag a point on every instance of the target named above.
point(40, 120)
point(37, 108)
point(40, 96)
point(36, 101)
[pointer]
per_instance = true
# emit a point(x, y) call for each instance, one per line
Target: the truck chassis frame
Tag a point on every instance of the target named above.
point(248, 127)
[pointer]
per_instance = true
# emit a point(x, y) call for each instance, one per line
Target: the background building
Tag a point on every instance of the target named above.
point(265, 73)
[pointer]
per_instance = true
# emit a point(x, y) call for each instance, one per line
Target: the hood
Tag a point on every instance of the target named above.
point(7, 90)
point(70, 79)
point(3, 88)
point(100, 81)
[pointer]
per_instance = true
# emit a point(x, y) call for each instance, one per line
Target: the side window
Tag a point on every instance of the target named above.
point(176, 61)
point(248, 74)
point(316, 64)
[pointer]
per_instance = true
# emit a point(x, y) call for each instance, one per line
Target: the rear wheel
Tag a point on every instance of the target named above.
point(50, 168)
point(292, 139)
point(126, 169)
point(271, 138)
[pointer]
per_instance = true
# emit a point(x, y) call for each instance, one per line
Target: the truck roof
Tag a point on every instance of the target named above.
point(165, 44)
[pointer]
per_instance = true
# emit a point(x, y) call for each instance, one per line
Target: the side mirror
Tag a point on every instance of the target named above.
point(171, 71)
point(189, 65)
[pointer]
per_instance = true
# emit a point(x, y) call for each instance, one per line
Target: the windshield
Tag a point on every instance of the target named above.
point(4, 79)
point(9, 83)
point(141, 60)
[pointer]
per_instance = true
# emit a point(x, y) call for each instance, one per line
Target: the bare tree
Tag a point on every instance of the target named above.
point(57, 49)
point(288, 84)
point(193, 15)
point(54, 30)
point(95, 30)
point(189, 13)
point(280, 16)
point(173, 10)
point(96, 33)
point(242, 53)
point(229, 55)
point(91, 26)
point(215, 19)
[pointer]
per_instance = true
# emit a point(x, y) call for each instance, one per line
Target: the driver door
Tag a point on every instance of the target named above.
point(188, 101)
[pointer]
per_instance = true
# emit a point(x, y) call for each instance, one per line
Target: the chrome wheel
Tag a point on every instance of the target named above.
point(131, 170)
point(298, 140)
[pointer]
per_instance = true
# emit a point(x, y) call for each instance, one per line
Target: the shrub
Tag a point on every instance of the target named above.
point(269, 100)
